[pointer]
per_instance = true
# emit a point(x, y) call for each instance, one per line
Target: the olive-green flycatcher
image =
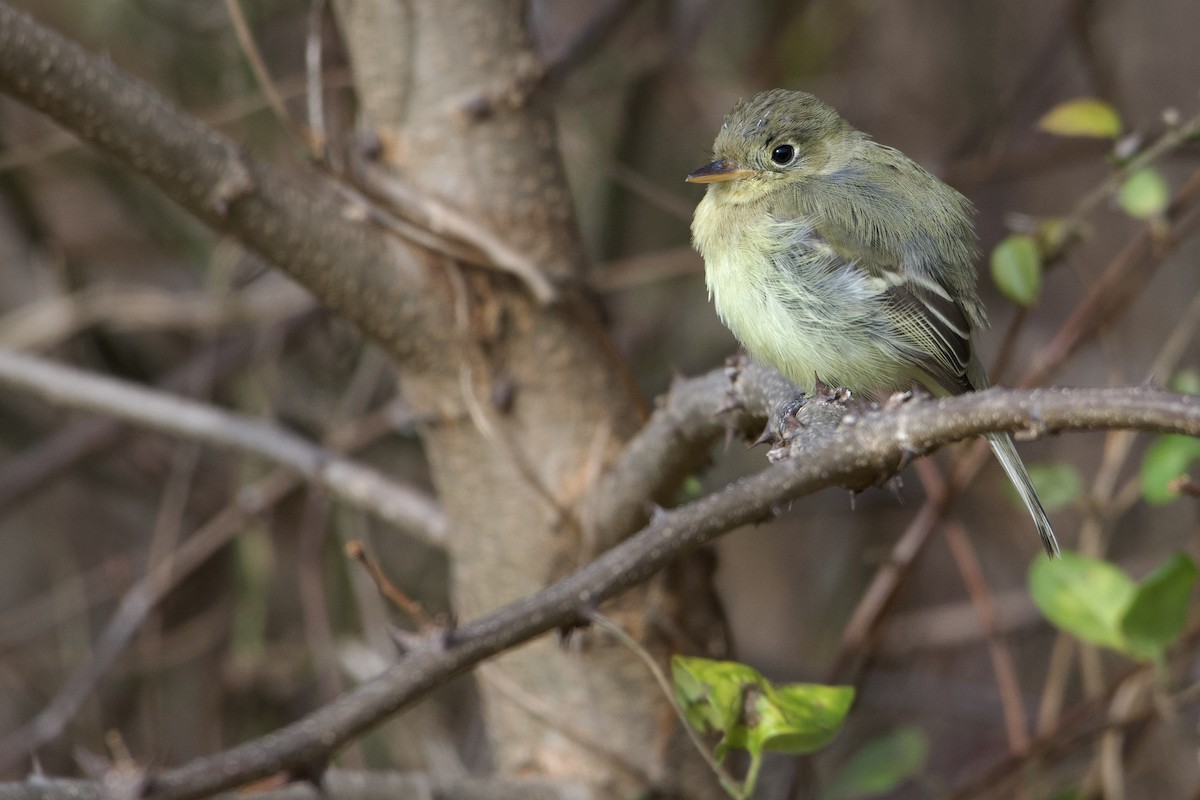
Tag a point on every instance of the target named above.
point(835, 258)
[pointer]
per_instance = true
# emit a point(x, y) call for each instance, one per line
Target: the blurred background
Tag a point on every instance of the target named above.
point(97, 269)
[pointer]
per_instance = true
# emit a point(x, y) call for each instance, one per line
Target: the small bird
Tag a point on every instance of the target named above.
point(837, 259)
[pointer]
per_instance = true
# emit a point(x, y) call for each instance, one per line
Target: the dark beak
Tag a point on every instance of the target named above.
point(722, 170)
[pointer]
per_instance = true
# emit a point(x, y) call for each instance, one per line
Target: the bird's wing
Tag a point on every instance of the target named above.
point(933, 326)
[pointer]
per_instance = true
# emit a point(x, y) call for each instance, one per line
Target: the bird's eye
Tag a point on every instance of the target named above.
point(783, 154)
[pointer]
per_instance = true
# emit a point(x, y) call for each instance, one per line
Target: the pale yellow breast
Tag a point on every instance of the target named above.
point(791, 300)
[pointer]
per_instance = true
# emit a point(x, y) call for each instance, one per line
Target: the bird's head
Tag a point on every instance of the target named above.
point(772, 138)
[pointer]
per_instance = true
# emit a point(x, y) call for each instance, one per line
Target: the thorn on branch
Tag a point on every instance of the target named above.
point(907, 456)
point(566, 632)
point(435, 640)
point(414, 610)
point(1034, 428)
point(122, 778)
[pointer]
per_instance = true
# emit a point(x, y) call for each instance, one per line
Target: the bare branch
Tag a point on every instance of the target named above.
point(676, 442)
point(355, 483)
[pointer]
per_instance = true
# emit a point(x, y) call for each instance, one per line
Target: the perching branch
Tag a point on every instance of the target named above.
point(676, 441)
point(856, 455)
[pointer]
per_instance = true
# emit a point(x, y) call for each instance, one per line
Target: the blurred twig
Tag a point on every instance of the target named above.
point(314, 91)
point(415, 611)
point(1083, 725)
point(259, 67)
point(25, 472)
point(46, 323)
point(140, 600)
point(1016, 723)
point(352, 482)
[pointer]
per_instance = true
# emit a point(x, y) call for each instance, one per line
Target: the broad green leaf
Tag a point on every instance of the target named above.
point(1058, 485)
point(1084, 116)
point(1083, 596)
point(881, 766)
point(1144, 194)
point(1017, 268)
point(1167, 458)
point(752, 714)
point(1158, 612)
point(712, 695)
point(798, 717)
point(1186, 381)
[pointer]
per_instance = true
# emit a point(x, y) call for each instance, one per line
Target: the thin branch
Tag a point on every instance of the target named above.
point(24, 473)
point(159, 580)
point(1121, 282)
point(1075, 730)
point(135, 606)
point(444, 220)
point(258, 66)
point(355, 483)
point(727, 781)
point(42, 324)
point(416, 612)
point(1016, 723)
point(857, 455)
point(314, 91)
point(676, 440)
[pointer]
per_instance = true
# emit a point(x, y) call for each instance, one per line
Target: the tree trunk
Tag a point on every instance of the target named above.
point(533, 401)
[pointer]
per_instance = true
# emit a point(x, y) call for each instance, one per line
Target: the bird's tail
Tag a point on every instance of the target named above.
point(1014, 468)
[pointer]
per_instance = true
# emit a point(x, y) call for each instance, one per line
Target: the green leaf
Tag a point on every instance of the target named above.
point(1186, 381)
point(751, 713)
point(1145, 194)
point(1084, 116)
point(712, 695)
point(1058, 485)
point(1083, 596)
point(1167, 458)
point(881, 766)
point(798, 717)
point(1158, 612)
point(1017, 268)
point(1051, 234)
